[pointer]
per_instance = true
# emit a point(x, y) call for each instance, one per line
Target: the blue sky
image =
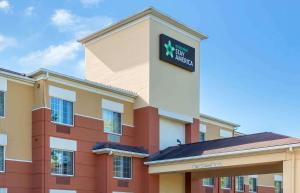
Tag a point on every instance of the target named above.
point(250, 70)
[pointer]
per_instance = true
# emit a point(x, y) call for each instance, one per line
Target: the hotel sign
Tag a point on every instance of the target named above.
point(204, 166)
point(176, 53)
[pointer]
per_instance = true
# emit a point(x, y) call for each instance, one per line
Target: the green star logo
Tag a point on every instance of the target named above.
point(169, 49)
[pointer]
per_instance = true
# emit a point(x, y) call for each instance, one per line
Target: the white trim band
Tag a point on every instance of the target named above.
point(176, 116)
point(62, 93)
point(63, 144)
point(61, 191)
point(113, 106)
point(3, 139)
point(120, 152)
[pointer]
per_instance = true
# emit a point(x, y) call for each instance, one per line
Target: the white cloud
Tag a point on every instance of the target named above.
point(6, 42)
point(79, 26)
point(4, 5)
point(54, 55)
point(29, 11)
point(88, 3)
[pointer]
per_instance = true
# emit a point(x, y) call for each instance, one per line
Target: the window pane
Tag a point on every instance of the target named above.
point(2, 103)
point(202, 136)
point(208, 182)
point(252, 184)
point(278, 187)
point(1, 158)
point(239, 183)
point(122, 167)
point(226, 182)
point(112, 121)
point(61, 111)
point(61, 162)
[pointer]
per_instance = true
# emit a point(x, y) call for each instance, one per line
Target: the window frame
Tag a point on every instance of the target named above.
point(131, 169)
point(237, 190)
point(204, 136)
point(208, 185)
point(4, 104)
point(226, 188)
point(73, 113)
point(4, 158)
point(255, 184)
point(73, 164)
point(121, 123)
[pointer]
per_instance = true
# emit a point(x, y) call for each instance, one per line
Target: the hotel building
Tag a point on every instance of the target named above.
point(133, 125)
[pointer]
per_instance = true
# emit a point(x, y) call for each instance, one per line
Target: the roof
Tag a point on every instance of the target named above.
point(110, 146)
point(83, 81)
point(226, 145)
point(218, 120)
point(148, 11)
point(16, 75)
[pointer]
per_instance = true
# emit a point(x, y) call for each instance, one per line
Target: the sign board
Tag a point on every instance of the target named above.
point(176, 53)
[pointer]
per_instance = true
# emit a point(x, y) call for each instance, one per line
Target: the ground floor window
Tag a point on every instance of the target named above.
point(3, 190)
point(226, 182)
point(1, 159)
point(252, 184)
point(208, 182)
point(239, 183)
point(278, 187)
point(122, 167)
point(62, 162)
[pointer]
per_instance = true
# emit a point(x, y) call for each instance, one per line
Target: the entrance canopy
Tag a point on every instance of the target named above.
point(260, 153)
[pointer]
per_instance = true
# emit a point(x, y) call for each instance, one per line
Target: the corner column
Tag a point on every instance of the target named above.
point(291, 172)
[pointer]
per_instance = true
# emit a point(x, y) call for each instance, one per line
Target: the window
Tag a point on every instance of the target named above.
point(202, 132)
point(112, 121)
point(252, 184)
point(278, 187)
point(226, 182)
point(239, 183)
point(208, 182)
point(122, 167)
point(61, 111)
point(3, 190)
point(2, 159)
point(62, 162)
point(2, 105)
point(225, 133)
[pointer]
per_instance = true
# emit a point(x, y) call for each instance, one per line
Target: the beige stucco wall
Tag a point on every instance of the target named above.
point(121, 59)
point(172, 183)
point(89, 104)
point(213, 130)
point(17, 122)
point(172, 88)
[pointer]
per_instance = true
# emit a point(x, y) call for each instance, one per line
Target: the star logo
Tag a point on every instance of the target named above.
point(169, 49)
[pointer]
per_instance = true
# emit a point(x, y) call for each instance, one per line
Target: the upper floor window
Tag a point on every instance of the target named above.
point(252, 184)
point(239, 183)
point(202, 132)
point(208, 181)
point(112, 121)
point(62, 162)
point(278, 184)
point(2, 103)
point(225, 133)
point(226, 182)
point(3, 190)
point(122, 167)
point(2, 160)
point(61, 111)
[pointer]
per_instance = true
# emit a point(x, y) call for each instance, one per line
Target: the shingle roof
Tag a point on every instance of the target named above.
point(12, 72)
point(116, 146)
point(238, 143)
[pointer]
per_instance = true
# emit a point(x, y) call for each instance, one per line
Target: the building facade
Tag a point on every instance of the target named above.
point(62, 134)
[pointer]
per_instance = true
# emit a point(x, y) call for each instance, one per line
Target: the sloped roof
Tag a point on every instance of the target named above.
point(226, 145)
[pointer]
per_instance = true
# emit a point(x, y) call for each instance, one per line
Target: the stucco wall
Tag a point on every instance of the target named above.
point(172, 183)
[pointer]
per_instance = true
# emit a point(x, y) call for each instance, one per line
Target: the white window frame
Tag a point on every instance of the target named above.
point(131, 174)
point(66, 175)
point(253, 177)
point(121, 121)
point(208, 185)
point(4, 158)
point(61, 191)
point(226, 188)
point(242, 186)
point(73, 113)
